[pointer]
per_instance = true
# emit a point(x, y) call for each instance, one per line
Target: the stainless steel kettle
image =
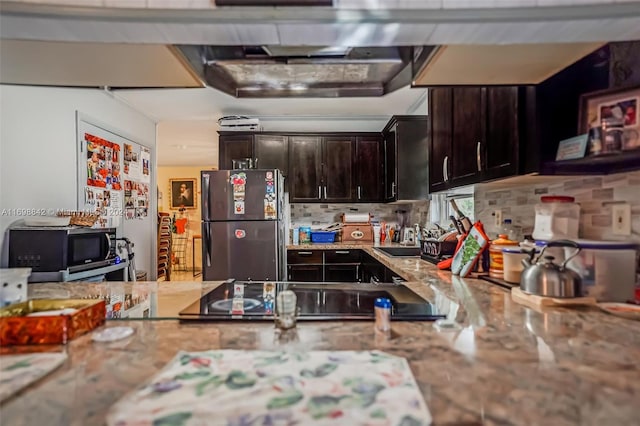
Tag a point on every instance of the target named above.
point(546, 278)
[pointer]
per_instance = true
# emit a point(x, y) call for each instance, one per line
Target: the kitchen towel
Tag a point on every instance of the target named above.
point(233, 387)
point(19, 371)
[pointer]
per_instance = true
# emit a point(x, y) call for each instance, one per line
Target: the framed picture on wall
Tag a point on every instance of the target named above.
point(183, 193)
point(619, 104)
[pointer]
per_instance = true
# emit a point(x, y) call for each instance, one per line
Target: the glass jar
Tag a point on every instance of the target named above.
point(557, 217)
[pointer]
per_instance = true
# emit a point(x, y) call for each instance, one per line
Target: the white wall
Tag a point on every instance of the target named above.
point(38, 163)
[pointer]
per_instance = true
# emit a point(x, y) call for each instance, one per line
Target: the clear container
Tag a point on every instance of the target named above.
point(382, 308)
point(557, 217)
point(513, 266)
point(607, 269)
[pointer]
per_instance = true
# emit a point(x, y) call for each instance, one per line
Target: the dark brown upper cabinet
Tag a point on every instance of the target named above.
point(338, 171)
point(390, 167)
point(475, 134)
point(233, 147)
point(469, 117)
point(305, 169)
point(320, 167)
point(271, 152)
point(369, 163)
point(406, 158)
point(441, 113)
point(500, 153)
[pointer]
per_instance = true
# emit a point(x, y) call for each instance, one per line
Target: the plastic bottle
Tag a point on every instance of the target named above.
point(382, 308)
point(507, 229)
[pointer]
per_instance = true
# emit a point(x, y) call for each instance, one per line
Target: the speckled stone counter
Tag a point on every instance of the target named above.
point(508, 364)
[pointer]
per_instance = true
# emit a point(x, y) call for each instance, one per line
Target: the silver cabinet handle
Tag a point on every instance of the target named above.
point(319, 192)
point(478, 160)
point(325, 192)
point(359, 192)
point(305, 253)
point(342, 251)
point(393, 189)
point(445, 166)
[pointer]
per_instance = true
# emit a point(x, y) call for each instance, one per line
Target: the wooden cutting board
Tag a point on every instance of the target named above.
point(540, 301)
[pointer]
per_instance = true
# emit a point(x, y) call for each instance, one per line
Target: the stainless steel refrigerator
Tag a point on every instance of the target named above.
point(243, 235)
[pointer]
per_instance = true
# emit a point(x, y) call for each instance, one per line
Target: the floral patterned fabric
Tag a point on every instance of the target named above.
point(19, 371)
point(260, 388)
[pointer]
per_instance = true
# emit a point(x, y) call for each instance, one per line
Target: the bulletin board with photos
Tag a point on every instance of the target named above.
point(115, 175)
point(137, 177)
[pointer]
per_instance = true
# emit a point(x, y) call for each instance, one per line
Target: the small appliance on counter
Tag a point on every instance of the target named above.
point(65, 253)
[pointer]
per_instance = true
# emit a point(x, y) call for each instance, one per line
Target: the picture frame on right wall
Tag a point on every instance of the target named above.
point(611, 117)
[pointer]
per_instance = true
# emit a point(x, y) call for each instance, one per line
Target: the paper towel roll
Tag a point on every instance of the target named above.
point(356, 218)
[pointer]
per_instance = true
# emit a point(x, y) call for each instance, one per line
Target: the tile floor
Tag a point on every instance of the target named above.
point(184, 276)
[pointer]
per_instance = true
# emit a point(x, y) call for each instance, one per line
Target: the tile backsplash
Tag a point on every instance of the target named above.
point(318, 215)
point(595, 194)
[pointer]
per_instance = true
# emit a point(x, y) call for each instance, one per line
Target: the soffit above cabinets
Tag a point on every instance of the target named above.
point(44, 63)
point(515, 64)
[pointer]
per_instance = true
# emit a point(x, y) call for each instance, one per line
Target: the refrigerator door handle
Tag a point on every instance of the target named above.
point(207, 242)
point(205, 197)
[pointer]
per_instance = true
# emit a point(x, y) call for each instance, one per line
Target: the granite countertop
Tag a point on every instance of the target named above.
point(508, 364)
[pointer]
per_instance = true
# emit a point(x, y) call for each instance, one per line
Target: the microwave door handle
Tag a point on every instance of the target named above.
point(108, 247)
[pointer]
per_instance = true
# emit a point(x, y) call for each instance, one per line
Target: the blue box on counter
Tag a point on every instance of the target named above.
point(323, 236)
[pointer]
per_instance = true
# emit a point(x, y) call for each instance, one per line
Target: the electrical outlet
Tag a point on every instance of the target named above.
point(621, 218)
point(497, 217)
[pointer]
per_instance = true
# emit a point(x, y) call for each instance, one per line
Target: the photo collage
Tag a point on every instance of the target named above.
point(137, 175)
point(102, 193)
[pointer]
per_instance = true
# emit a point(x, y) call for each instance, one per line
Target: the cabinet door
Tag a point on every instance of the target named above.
point(338, 169)
point(369, 169)
point(233, 147)
point(390, 192)
point(305, 171)
point(469, 116)
point(305, 273)
point(500, 148)
point(341, 273)
point(271, 152)
point(440, 111)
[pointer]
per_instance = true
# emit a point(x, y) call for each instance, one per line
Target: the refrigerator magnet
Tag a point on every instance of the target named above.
point(269, 209)
point(269, 176)
point(237, 306)
point(238, 207)
point(238, 291)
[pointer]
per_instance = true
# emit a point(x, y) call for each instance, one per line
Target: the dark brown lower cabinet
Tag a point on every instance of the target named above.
point(347, 266)
point(345, 273)
point(306, 273)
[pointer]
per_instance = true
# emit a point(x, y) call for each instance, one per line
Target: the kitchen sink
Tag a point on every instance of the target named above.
point(400, 251)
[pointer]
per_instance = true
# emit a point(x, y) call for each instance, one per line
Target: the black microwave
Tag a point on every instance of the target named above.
point(68, 248)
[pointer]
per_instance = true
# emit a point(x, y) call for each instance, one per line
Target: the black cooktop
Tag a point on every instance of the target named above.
point(255, 301)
